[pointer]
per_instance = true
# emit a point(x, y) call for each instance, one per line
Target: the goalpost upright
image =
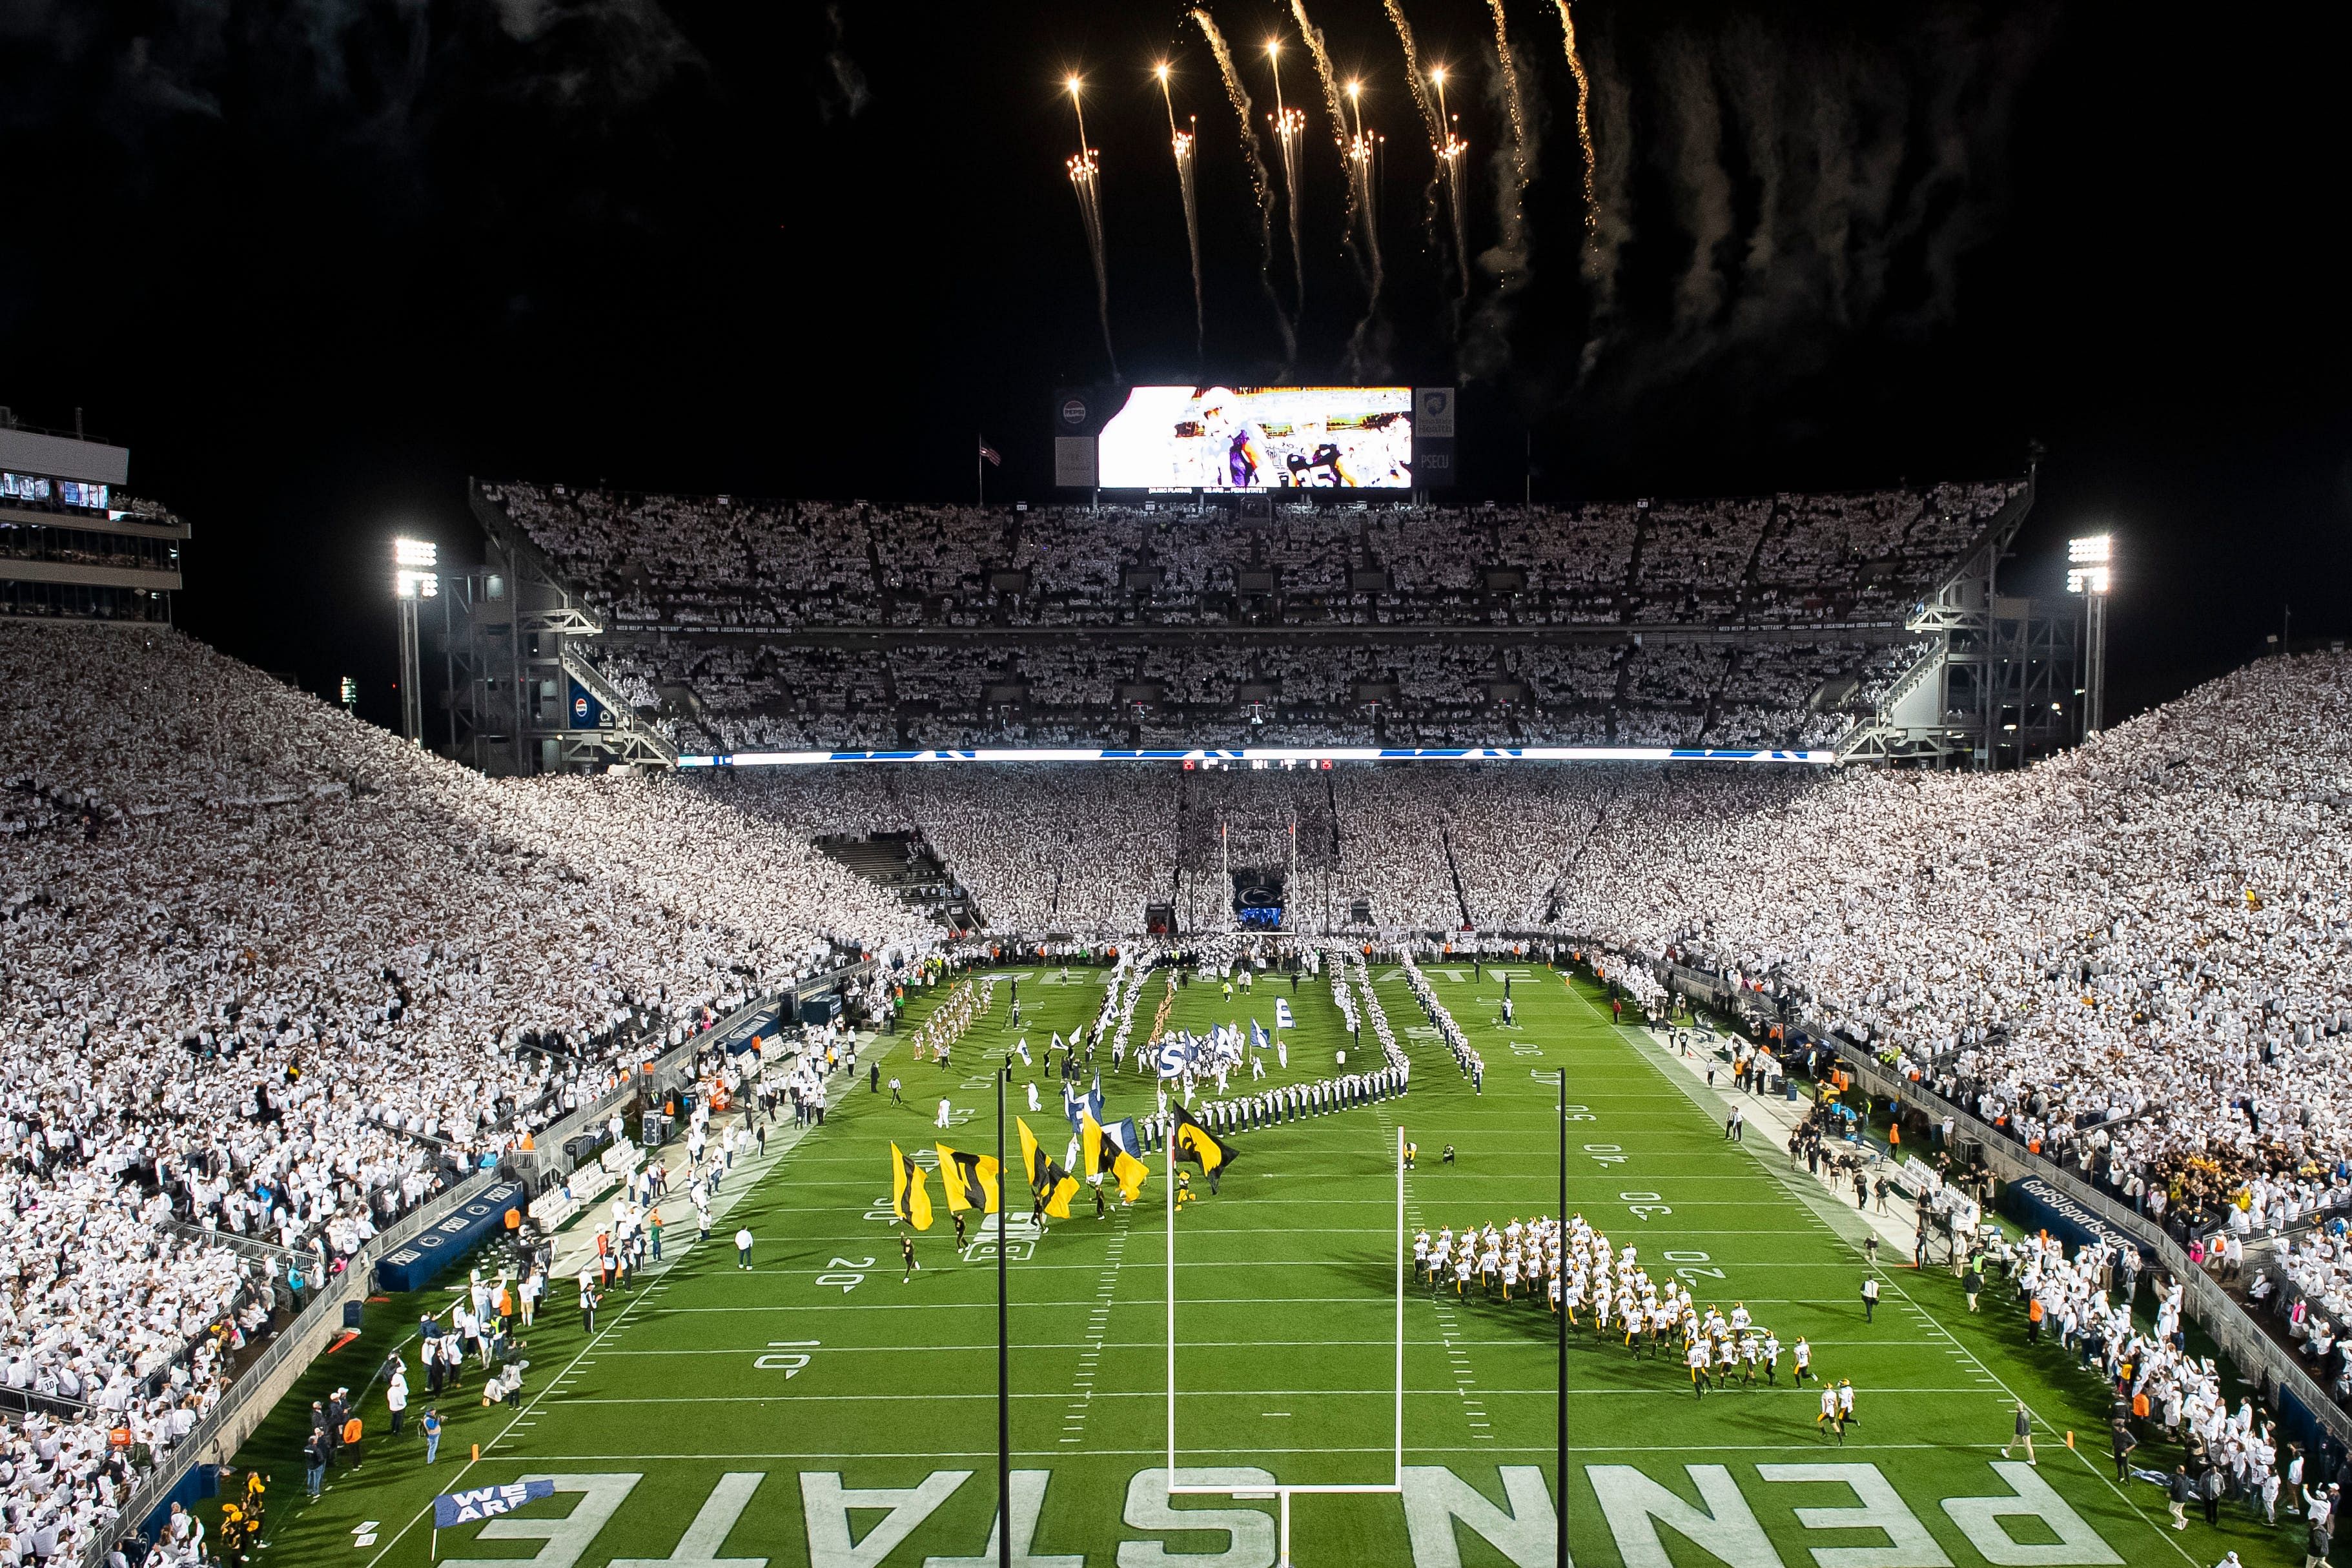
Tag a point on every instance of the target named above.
point(1280, 1492)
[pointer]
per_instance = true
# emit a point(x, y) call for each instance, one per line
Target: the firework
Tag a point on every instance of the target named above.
point(1452, 152)
point(1583, 114)
point(1361, 147)
point(1182, 142)
point(1343, 105)
point(1432, 121)
point(1086, 180)
point(1244, 112)
point(1289, 125)
point(1487, 347)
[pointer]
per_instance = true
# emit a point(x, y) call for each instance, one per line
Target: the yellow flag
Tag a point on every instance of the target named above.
point(1101, 1154)
point(908, 1201)
point(1046, 1179)
point(970, 1180)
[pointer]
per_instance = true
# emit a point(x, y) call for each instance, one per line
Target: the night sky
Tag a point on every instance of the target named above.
point(316, 261)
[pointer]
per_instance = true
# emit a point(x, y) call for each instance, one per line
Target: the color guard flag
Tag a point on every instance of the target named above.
point(1196, 1144)
point(908, 1201)
point(970, 1180)
point(1282, 1018)
point(1100, 1153)
point(1089, 1103)
point(1046, 1179)
point(456, 1507)
point(1257, 1037)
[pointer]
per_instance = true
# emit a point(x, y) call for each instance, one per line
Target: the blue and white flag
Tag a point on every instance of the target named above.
point(1023, 1048)
point(1089, 1103)
point(1282, 1018)
point(1257, 1037)
point(454, 1508)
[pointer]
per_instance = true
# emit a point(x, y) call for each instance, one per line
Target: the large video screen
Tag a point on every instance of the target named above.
point(1259, 438)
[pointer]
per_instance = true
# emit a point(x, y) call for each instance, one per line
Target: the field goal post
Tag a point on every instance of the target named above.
point(1394, 1485)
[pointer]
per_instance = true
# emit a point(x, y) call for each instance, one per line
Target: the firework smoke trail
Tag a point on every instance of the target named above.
point(1259, 182)
point(1322, 58)
point(1583, 112)
point(1182, 142)
point(1489, 350)
point(1366, 356)
point(1431, 118)
point(1289, 125)
point(1085, 179)
point(1451, 151)
point(1356, 154)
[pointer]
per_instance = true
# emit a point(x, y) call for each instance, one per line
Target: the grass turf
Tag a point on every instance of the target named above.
point(879, 1448)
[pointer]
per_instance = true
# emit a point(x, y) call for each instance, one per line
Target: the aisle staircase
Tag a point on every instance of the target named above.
point(905, 865)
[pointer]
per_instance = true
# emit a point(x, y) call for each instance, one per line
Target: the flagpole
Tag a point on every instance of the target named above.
point(980, 468)
point(1559, 1322)
point(1168, 1153)
point(1003, 1349)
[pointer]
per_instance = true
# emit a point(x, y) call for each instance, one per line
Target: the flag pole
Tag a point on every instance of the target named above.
point(979, 480)
point(1004, 1348)
point(1559, 1322)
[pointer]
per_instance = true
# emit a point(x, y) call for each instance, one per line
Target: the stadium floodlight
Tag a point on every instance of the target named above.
point(2090, 572)
point(414, 577)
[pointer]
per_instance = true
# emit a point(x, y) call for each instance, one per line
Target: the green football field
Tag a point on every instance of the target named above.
point(822, 1410)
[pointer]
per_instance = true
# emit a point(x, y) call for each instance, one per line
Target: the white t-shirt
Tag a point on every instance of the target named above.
point(743, 1240)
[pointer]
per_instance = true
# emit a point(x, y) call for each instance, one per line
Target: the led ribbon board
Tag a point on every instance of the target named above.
point(1291, 754)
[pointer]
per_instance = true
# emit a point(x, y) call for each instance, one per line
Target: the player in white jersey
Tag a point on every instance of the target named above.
point(1697, 1358)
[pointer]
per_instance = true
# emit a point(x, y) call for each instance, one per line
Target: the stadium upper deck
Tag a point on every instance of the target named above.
point(743, 626)
point(683, 562)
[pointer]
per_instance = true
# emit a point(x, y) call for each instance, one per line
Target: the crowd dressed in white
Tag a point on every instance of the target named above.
point(269, 978)
point(1764, 621)
point(720, 561)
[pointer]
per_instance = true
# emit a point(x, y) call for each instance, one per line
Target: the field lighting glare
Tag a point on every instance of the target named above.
point(2089, 572)
point(415, 552)
point(2090, 560)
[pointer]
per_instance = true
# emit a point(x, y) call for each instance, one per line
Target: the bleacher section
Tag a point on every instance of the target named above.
point(734, 626)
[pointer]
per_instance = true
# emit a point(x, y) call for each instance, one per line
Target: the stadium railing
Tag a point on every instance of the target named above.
point(2292, 1393)
point(772, 1009)
point(224, 1429)
point(2285, 1386)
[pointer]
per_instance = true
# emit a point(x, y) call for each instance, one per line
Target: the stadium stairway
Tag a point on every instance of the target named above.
point(904, 865)
point(576, 1243)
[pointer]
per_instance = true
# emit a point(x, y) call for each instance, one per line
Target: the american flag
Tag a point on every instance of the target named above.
point(989, 453)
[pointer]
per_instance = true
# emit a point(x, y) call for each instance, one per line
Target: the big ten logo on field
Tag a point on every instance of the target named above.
point(1654, 1516)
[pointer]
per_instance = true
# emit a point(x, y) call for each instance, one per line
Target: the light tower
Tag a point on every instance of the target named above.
point(414, 577)
point(2089, 571)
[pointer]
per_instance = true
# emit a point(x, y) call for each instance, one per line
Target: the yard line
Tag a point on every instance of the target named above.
point(1641, 1049)
point(1811, 1446)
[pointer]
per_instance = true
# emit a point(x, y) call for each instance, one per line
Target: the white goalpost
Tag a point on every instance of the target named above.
point(1282, 1493)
